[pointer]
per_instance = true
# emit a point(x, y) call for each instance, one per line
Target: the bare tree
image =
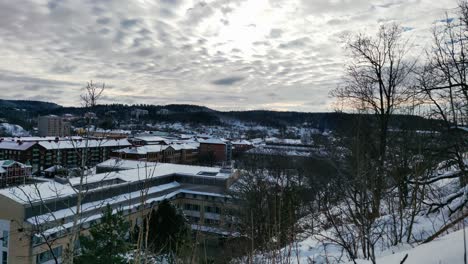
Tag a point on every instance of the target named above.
point(377, 81)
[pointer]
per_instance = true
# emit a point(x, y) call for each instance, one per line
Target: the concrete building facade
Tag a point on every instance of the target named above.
point(32, 225)
point(53, 126)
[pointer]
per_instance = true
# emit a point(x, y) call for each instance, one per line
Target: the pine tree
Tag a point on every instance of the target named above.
point(168, 232)
point(107, 243)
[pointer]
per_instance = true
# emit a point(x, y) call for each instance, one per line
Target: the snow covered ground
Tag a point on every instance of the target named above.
point(444, 250)
point(447, 248)
point(13, 130)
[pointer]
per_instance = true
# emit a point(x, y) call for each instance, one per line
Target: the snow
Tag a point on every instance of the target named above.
point(14, 130)
point(213, 141)
point(448, 249)
point(91, 143)
point(36, 192)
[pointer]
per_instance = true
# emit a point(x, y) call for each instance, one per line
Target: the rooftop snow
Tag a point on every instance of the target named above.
point(71, 144)
point(42, 191)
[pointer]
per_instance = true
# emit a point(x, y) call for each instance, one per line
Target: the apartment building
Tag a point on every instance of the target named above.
point(35, 216)
point(54, 126)
point(44, 152)
point(215, 150)
point(185, 153)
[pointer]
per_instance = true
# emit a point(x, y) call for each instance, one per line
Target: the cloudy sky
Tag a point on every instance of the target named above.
point(225, 54)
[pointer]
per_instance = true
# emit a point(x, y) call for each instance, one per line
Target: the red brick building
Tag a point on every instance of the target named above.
point(13, 172)
point(213, 150)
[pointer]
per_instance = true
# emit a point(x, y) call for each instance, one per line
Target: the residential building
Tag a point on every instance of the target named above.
point(149, 140)
point(214, 150)
point(185, 153)
point(43, 153)
point(53, 125)
point(13, 172)
point(38, 216)
point(109, 133)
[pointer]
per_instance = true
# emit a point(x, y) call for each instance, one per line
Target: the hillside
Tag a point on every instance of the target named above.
point(23, 113)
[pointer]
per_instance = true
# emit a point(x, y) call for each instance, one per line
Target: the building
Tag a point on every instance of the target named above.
point(37, 215)
point(109, 133)
point(43, 153)
point(139, 112)
point(240, 146)
point(214, 150)
point(149, 140)
point(185, 153)
point(53, 126)
point(13, 172)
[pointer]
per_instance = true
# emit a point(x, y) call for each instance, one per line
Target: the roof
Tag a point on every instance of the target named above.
point(213, 141)
point(143, 150)
point(83, 143)
point(241, 142)
point(125, 164)
point(150, 138)
point(36, 139)
point(48, 190)
point(13, 145)
point(8, 163)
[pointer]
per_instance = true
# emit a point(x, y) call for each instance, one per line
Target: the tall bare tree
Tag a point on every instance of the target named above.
point(377, 82)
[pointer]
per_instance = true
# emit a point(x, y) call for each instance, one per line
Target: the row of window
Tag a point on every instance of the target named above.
point(49, 255)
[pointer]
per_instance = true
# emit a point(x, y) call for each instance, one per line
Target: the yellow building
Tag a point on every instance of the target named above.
point(37, 218)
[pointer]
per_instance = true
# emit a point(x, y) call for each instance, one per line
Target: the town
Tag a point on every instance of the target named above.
point(40, 178)
point(233, 132)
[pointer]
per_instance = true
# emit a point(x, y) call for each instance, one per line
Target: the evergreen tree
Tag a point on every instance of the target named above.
point(168, 232)
point(107, 243)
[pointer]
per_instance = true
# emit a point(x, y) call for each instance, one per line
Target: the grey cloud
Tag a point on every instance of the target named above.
point(158, 51)
point(228, 80)
point(103, 20)
point(297, 43)
point(128, 23)
point(276, 33)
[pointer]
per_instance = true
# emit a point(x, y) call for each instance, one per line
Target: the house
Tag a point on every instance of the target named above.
point(240, 146)
point(13, 172)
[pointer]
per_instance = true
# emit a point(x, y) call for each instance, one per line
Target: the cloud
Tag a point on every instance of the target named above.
point(278, 54)
point(228, 81)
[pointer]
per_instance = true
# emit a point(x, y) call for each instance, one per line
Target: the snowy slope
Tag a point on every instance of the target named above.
point(445, 250)
point(13, 130)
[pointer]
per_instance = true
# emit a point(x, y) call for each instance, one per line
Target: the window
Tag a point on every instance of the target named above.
point(5, 238)
point(192, 207)
point(47, 255)
point(4, 257)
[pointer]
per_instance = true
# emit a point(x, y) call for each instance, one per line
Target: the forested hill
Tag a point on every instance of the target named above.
point(19, 111)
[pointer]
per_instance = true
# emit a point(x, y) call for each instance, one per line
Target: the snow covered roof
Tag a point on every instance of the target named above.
point(13, 145)
point(8, 163)
point(150, 138)
point(241, 142)
point(43, 191)
point(38, 139)
point(213, 141)
point(90, 143)
point(194, 145)
point(143, 150)
point(125, 164)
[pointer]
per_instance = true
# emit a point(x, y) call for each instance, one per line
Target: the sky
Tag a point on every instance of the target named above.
point(281, 55)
